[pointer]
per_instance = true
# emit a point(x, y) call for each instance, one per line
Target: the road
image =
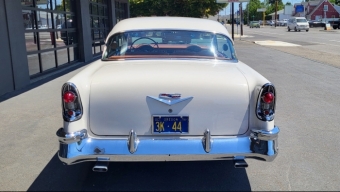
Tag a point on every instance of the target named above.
point(307, 113)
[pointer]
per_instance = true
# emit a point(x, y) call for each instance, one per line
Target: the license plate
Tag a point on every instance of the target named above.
point(170, 124)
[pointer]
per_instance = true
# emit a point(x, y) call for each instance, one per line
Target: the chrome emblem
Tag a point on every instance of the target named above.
point(170, 99)
point(169, 96)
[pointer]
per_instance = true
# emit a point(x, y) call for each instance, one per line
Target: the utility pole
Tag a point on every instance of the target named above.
point(241, 19)
point(232, 20)
point(248, 20)
point(275, 12)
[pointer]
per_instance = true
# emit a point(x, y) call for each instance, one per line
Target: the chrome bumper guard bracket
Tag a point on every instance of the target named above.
point(207, 141)
point(261, 145)
point(68, 138)
point(132, 141)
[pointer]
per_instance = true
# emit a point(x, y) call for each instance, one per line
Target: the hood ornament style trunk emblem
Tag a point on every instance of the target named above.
point(170, 99)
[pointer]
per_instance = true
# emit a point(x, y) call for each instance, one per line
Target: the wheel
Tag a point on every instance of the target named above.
point(299, 30)
point(295, 29)
point(307, 30)
point(335, 27)
point(288, 29)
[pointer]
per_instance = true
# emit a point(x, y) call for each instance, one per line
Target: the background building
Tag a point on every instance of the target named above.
point(41, 36)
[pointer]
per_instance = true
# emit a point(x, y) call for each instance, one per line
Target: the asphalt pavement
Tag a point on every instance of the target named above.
point(307, 114)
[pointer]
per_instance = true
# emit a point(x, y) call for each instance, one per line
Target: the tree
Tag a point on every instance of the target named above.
point(335, 2)
point(288, 3)
point(184, 8)
point(253, 14)
point(271, 6)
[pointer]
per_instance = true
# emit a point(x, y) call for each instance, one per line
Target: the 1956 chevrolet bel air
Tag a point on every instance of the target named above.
point(167, 89)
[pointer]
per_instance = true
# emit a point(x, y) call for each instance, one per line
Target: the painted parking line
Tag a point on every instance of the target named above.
point(334, 41)
point(276, 43)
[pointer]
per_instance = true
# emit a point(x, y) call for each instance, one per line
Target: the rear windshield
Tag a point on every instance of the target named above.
point(169, 44)
point(301, 20)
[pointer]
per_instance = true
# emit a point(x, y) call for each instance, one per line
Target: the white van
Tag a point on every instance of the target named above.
point(298, 24)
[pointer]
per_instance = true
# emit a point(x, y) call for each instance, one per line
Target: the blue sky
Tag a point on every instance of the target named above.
point(227, 9)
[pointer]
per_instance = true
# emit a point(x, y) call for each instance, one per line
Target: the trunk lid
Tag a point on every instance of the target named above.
point(125, 95)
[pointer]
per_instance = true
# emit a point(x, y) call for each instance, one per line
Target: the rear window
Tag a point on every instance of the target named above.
point(301, 20)
point(169, 44)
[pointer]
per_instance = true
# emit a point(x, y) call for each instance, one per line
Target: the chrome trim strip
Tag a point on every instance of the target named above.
point(176, 149)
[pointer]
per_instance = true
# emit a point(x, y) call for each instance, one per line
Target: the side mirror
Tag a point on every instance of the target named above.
point(225, 47)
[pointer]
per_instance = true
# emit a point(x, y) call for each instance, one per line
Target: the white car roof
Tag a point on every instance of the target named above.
point(166, 22)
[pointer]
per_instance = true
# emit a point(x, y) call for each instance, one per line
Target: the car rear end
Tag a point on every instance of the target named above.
point(145, 104)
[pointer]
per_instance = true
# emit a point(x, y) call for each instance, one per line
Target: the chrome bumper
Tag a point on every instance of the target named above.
point(77, 147)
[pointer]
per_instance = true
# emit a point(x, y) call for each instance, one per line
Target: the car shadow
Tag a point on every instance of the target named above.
point(45, 78)
point(143, 176)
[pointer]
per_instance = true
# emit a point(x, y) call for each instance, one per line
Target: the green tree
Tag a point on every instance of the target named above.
point(288, 3)
point(271, 6)
point(253, 14)
point(61, 7)
point(335, 2)
point(184, 8)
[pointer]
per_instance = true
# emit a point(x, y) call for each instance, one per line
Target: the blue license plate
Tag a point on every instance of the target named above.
point(170, 124)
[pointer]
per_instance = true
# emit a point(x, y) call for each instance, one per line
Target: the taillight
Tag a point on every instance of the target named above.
point(265, 106)
point(69, 97)
point(71, 103)
point(268, 97)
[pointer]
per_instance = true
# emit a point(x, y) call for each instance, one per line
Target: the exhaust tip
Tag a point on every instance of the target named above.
point(100, 167)
point(240, 164)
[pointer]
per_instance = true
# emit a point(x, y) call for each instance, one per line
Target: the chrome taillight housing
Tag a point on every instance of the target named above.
point(265, 106)
point(71, 103)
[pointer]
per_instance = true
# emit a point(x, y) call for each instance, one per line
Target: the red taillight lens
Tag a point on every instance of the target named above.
point(69, 97)
point(268, 97)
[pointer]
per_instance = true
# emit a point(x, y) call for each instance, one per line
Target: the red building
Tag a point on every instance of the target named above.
point(319, 9)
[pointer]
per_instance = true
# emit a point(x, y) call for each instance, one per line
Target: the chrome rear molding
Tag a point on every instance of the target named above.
point(261, 145)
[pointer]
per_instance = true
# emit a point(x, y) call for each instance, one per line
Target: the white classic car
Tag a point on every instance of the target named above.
point(167, 89)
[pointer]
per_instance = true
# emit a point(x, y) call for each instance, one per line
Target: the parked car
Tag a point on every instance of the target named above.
point(283, 22)
point(167, 89)
point(335, 24)
point(254, 24)
point(298, 24)
point(271, 23)
point(315, 23)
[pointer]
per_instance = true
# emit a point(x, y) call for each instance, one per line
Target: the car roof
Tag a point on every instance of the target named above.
point(166, 22)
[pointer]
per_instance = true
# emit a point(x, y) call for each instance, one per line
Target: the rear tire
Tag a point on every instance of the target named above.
point(307, 30)
point(295, 29)
point(288, 29)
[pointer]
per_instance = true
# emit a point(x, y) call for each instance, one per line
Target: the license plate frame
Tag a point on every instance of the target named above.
point(170, 124)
